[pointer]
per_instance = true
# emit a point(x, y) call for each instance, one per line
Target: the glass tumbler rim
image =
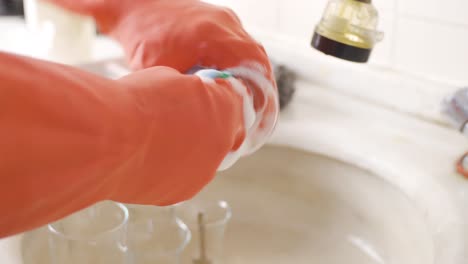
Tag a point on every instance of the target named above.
point(122, 223)
point(181, 245)
point(187, 238)
point(221, 203)
point(225, 205)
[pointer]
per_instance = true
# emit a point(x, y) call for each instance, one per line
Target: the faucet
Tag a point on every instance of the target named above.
point(347, 30)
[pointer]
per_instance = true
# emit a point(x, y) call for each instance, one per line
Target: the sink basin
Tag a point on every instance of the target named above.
point(291, 206)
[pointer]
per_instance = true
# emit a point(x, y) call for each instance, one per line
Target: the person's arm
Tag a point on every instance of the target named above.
point(182, 34)
point(69, 138)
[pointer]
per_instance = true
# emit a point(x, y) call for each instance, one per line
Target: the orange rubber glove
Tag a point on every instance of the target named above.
point(182, 34)
point(70, 138)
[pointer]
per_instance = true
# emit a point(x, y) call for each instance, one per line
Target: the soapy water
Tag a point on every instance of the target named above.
point(258, 123)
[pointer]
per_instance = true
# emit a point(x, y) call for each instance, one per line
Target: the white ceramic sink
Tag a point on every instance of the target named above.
point(290, 206)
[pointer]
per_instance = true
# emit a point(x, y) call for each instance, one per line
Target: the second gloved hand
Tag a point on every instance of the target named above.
point(178, 34)
point(186, 33)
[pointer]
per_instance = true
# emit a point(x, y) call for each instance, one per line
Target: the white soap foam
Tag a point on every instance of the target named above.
point(256, 136)
point(256, 74)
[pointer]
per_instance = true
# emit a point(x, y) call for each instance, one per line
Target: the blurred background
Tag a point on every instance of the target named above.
point(427, 38)
point(424, 37)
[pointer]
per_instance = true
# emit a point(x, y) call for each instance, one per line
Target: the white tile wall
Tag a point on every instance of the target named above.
point(428, 37)
point(382, 53)
point(454, 11)
point(298, 18)
point(249, 12)
point(384, 4)
point(431, 48)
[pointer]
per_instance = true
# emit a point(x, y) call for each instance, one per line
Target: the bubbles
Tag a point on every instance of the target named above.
point(259, 123)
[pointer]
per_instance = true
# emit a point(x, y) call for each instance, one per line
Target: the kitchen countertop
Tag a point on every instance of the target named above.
point(416, 156)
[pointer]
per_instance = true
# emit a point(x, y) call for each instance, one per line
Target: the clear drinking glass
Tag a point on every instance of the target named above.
point(95, 235)
point(207, 221)
point(156, 235)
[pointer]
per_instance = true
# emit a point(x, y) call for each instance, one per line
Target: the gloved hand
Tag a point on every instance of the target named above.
point(178, 34)
point(70, 138)
point(186, 33)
